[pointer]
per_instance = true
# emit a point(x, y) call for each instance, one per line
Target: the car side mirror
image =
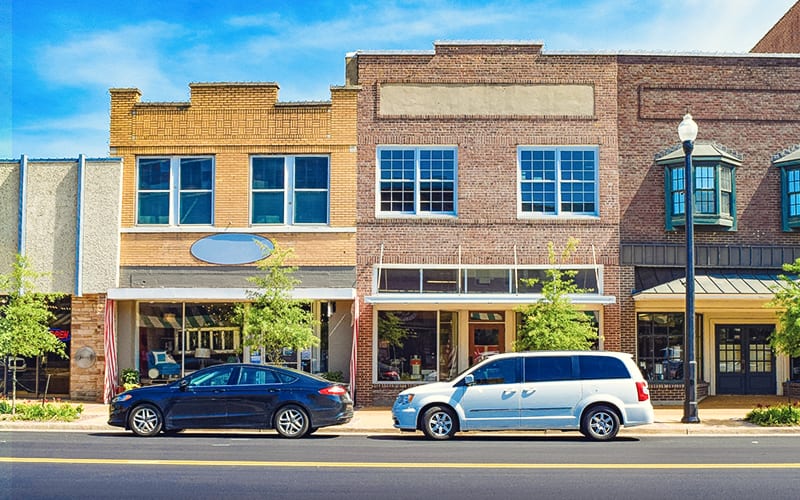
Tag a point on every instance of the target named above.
point(469, 380)
point(183, 385)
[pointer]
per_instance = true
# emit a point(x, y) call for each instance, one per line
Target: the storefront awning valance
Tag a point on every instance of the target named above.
point(222, 294)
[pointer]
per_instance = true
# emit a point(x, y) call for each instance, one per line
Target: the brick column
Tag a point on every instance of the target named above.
point(86, 384)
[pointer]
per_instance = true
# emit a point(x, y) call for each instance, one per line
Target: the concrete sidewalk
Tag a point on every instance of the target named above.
point(719, 415)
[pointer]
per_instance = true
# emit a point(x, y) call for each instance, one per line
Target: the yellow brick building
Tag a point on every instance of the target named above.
point(203, 183)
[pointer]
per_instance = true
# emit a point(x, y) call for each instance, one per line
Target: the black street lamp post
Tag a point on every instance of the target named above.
point(687, 131)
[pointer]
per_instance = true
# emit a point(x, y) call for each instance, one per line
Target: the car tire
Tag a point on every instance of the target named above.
point(600, 423)
point(439, 422)
point(292, 422)
point(312, 430)
point(145, 420)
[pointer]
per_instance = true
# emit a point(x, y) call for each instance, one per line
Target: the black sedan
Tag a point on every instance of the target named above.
point(235, 396)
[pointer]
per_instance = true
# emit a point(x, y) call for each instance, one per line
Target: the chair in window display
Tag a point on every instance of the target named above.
point(162, 365)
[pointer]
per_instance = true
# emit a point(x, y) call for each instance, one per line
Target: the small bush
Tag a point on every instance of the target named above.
point(62, 412)
point(775, 416)
point(333, 376)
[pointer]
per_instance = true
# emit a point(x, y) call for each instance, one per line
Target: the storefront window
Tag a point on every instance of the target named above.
point(660, 338)
point(417, 345)
point(176, 338)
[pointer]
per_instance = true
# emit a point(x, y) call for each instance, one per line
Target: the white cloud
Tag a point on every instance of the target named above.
point(130, 56)
point(61, 137)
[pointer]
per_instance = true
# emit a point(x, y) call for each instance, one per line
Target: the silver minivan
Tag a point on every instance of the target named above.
point(594, 392)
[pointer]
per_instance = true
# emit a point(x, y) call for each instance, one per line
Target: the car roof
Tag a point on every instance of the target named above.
point(613, 354)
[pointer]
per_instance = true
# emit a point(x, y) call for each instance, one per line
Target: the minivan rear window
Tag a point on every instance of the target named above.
point(598, 367)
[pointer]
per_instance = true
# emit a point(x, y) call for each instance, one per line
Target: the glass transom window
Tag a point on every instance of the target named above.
point(175, 190)
point(558, 181)
point(415, 181)
point(290, 189)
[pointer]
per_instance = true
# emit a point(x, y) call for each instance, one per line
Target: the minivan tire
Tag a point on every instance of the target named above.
point(600, 423)
point(439, 422)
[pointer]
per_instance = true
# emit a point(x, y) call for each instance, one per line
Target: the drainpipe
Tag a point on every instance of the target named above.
point(78, 229)
point(23, 198)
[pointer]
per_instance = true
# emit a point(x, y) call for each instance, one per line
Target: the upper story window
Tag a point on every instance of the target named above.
point(713, 172)
point(175, 190)
point(417, 181)
point(558, 181)
point(290, 189)
point(789, 164)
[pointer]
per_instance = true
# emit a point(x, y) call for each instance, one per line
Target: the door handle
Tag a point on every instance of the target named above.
point(528, 390)
point(509, 391)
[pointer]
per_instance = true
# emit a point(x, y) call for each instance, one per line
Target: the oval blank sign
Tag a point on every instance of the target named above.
point(232, 248)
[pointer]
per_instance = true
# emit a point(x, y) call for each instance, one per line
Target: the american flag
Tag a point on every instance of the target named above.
point(110, 347)
point(354, 351)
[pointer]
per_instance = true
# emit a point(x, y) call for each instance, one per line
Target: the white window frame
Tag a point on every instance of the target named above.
point(289, 191)
point(175, 189)
point(417, 212)
point(558, 183)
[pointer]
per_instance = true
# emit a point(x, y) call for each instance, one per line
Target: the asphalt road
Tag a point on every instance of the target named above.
point(261, 465)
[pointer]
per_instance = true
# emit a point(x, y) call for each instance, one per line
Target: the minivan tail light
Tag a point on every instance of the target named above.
point(333, 390)
point(642, 391)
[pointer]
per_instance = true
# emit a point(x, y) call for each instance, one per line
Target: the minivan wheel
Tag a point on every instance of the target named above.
point(600, 423)
point(292, 422)
point(439, 422)
point(145, 420)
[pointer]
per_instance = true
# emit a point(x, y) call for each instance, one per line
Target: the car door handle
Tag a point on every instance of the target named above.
point(509, 391)
point(218, 390)
point(527, 391)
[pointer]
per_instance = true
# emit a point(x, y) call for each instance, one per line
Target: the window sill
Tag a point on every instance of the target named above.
point(252, 229)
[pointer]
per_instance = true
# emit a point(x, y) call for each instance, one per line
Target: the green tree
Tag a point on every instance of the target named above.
point(391, 330)
point(25, 317)
point(553, 323)
point(786, 338)
point(273, 320)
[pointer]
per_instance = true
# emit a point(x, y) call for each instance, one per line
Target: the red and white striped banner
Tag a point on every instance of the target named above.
point(110, 348)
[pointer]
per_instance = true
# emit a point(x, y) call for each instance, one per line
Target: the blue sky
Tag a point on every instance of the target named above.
point(60, 57)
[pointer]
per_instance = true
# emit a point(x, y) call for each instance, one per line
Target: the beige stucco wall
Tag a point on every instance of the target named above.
point(9, 213)
point(51, 223)
point(471, 99)
point(102, 207)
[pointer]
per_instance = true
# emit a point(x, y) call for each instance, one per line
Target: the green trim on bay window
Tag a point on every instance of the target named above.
point(790, 189)
point(714, 185)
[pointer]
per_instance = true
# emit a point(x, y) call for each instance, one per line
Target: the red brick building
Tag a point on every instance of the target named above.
point(472, 157)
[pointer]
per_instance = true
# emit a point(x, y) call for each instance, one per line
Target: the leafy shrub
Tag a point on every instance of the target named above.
point(63, 412)
point(333, 376)
point(773, 416)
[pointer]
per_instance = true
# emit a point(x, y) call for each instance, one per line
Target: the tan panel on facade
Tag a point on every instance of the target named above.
point(9, 214)
point(489, 100)
point(51, 222)
point(173, 249)
point(102, 202)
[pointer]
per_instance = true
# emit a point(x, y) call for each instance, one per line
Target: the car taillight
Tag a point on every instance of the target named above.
point(642, 391)
point(333, 390)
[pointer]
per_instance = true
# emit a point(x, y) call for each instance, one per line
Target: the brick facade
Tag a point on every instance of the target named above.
point(486, 230)
point(784, 37)
point(88, 322)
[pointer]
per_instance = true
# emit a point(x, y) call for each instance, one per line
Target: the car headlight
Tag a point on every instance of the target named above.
point(404, 399)
point(122, 397)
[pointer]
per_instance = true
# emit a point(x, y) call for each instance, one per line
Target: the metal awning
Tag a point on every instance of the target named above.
point(727, 285)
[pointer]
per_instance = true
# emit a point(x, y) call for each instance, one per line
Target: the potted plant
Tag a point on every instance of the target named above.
point(130, 378)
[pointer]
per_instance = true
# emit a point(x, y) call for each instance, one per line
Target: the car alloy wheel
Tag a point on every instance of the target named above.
point(438, 422)
point(600, 423)
point(145, 420)
point(291, 422)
